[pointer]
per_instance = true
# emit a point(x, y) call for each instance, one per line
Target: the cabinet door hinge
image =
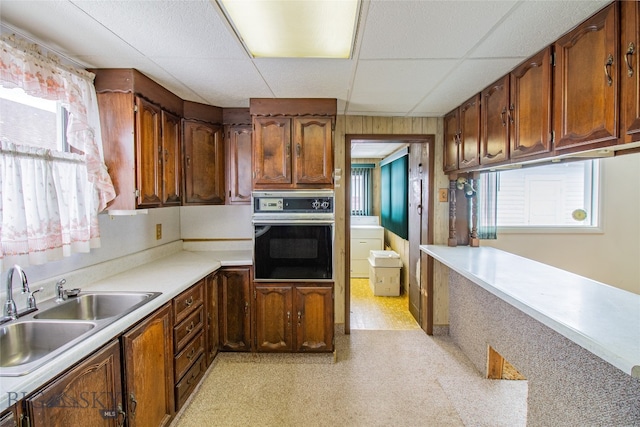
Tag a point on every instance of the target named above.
point(552, 135)
point(137, 193)
point(553, 59)
point(255, 294)
point(135, 108)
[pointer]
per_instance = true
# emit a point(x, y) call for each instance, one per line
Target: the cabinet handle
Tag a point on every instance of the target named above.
point(134, 404)
point(630, 51)
point(288, 318)
point(299, 318)
point(298, 149)
point(502, 113)
point(193, 377)
point(190, 328)
point(166, 156)
point(511, 110)
point(188, 161)
point(121, 413)
point(189, 302)
point(607, 69)
point(288, 149)
point(246, 308)
point(191, 353)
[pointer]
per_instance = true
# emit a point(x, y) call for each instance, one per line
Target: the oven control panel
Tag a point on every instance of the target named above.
point(292, 203)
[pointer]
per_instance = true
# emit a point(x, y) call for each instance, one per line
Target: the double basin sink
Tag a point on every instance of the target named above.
point(33, 340)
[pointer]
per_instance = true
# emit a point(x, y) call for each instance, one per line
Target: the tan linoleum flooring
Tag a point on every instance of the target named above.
point(393, 376)
point(378, 312)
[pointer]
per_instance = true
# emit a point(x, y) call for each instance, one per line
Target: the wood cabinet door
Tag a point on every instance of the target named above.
point(586, 84)
point(90, 394)
point(235, 309)
point(314, 318)
point(313, 148)
point(273, 318)
point(148, 159)
point(469, 140)
point(171, 159)
point(148, 367)
point(203, 163)
point(494, 144)
point(530, 108)
point(272, 152)
point(630, 73)
point(239, 164)
point(211, 305)
point(451, 140)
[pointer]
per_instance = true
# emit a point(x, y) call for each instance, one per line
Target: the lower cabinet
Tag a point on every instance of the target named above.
point(148, 371)
point(212, 337)
point(90, 394)
point(235, 308)
point(293, 317)
point(189, 341)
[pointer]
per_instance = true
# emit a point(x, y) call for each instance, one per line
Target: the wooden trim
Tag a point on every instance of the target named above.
point(202, 112)
point(236, 116)
point(293, 106)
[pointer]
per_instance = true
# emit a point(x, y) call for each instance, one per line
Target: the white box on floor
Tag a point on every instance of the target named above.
point(384, 273)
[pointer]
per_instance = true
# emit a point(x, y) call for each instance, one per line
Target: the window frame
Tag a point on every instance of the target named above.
point(596, 208)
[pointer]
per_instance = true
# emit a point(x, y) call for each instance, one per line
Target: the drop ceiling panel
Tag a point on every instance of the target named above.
point(180, 29)
point(428, 29)
point(374, 150)
point(228, 83)
point(401, 84)
point(522, 35)
point(466, 79)
point(317, 78)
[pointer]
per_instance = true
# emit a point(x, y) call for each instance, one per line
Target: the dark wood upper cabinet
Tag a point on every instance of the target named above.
point(451, 140)
point(494, 143)
point(530, 107)
point(141, 138)
point(238, 151)
point(469, 140)
point(203, 163)
point(293, 143)
point(630, 72)
point(272, 151)
point(586, 80)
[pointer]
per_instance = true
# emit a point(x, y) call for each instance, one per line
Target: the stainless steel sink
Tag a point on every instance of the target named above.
point(35, 339)
point(25, 345)
point(97, 306)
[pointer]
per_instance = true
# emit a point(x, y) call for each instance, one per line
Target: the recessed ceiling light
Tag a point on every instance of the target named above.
point(294, 28)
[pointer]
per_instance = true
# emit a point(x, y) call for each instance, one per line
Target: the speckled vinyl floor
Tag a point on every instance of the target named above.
point(393, 376)
point(379, 312)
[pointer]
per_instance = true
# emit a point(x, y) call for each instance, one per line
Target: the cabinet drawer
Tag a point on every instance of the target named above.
point(190, 354)
point(188, 301)
point(188, 328)
point(189, 382)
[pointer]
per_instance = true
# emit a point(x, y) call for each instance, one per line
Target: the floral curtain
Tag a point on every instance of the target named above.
point(50, 200)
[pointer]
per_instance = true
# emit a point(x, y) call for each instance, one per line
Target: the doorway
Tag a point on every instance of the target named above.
point(420, 210)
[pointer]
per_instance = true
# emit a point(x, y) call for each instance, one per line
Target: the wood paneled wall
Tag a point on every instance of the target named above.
point(368, 125)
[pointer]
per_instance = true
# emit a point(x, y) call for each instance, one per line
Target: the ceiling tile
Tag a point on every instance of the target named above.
point(428, 29)
point(521, 34)
point(401, 84)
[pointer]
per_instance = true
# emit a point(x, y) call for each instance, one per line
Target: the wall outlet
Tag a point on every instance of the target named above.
point(443, 195)
point(158, 231)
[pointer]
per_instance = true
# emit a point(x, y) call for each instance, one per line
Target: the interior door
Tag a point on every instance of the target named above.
point(418, 183)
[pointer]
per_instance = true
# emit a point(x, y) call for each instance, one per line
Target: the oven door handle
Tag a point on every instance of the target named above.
point(261, 229)
point(263, 222)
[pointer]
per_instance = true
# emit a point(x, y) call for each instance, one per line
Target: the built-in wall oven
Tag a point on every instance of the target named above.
point(293, 235)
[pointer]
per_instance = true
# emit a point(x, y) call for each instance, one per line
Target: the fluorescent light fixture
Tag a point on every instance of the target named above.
point(294, 28)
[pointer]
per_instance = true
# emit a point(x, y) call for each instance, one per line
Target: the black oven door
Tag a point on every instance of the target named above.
point(295, 252)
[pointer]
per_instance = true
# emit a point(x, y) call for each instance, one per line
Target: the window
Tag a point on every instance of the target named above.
point(361, 197)
point(395, 196)
point(556, 195)
point(32, 121)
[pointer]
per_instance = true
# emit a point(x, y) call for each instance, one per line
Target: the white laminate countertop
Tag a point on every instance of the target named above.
point(600, 318)
point(170, 275)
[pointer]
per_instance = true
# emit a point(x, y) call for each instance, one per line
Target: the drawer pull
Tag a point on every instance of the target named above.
point(193, 377)
point(189, 328)
point(607, 69)
point(189, 302)
point(630, 51)
point(191, 353)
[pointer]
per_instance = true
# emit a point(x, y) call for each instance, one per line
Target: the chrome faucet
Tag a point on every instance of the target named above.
point(61, 294)
point(10, 310)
